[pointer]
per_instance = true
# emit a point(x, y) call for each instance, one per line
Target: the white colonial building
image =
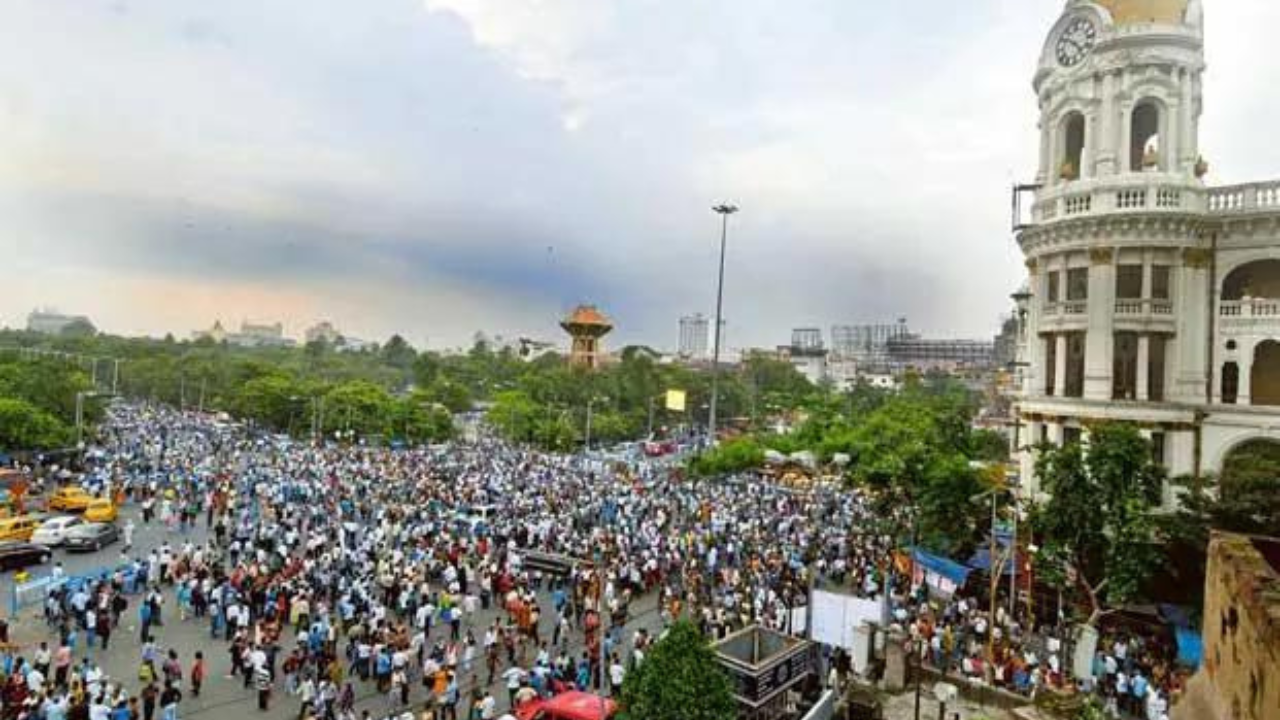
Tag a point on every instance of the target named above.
point(1152, 297)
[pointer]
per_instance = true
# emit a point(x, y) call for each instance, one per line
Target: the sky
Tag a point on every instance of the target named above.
point(438, 167)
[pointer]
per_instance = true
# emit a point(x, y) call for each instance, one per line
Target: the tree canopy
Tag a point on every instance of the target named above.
point(1095, 531)
point(678, 680)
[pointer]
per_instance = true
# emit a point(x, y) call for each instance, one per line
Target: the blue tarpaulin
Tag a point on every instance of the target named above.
point(938, 565)
point(981, 560)
point(1190, 647)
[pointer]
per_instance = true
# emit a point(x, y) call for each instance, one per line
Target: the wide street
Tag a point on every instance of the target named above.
point(225, 698)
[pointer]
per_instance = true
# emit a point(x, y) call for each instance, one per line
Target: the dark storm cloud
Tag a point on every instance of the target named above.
point(415, 151)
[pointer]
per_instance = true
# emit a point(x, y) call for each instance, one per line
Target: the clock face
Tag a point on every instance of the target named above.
point(1075, 43)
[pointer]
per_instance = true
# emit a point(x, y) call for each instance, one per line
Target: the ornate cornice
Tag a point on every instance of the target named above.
point(1116, 231)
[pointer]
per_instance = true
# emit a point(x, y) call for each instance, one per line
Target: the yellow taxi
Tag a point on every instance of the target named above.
point(101, 511)
point(19, 528)
point(69, 499)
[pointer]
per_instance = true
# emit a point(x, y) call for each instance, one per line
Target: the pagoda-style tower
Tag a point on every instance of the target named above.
point(586, 325)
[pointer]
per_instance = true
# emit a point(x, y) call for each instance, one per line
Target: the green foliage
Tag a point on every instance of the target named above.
point(678, 680)
point(1096, 528)
point(729, 457)
point(23, 426)
point(989, 446)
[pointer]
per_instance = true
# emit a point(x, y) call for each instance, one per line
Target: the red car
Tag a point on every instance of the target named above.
point(569, 706)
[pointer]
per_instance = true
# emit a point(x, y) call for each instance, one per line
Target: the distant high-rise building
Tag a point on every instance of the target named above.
point(807, 339)
point(51, 322)
point(695, 333)
point(866, 345)
point(325, 332)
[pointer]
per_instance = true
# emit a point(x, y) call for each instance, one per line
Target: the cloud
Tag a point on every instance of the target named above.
point(441, 166)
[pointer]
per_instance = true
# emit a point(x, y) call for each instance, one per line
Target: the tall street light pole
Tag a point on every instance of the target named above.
point(724, 210)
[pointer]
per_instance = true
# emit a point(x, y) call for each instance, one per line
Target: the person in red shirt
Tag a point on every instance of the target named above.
point(197, 674)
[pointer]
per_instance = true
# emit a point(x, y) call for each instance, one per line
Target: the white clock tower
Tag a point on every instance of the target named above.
point(1139, 274)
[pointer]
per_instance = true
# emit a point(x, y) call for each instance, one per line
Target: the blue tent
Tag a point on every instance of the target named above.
point(943, 567)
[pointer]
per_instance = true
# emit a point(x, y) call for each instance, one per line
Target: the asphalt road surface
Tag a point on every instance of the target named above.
point(223, 697)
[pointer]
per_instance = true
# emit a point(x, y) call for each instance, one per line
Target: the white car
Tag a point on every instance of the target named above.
point(53, 532)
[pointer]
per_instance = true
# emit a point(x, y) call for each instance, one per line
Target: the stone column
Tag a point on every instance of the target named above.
point(1186, 123)
point(1029, 342)
point(1246, 374)
point(1100, 342)
point(1144, 365)
point(1055, 434)
point(1106, 136)
point(1060, 364)
point(1123, 150)
point(1185, 359)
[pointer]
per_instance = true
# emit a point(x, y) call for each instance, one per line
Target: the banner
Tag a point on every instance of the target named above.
point(837, 617)
point(675, 400)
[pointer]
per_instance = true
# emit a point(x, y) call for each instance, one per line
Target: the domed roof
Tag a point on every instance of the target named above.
point(1131, 12)
point(587, 315)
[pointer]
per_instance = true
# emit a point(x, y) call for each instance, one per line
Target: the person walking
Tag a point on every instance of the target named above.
point(169, 700)
point(197, 674)
point(262, 682)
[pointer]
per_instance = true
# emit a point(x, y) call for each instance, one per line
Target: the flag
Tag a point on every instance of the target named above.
point(675, 400)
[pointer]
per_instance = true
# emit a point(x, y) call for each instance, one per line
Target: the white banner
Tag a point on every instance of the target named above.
point(836, 617)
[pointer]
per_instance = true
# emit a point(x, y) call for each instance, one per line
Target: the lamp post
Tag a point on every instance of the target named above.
point(590, 407)
point(724, 210)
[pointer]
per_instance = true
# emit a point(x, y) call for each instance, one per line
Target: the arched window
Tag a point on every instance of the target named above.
point(1230, 383)
point(1073, 130)
point(1259, 279)
point(1144, 138)
point(1264, 383)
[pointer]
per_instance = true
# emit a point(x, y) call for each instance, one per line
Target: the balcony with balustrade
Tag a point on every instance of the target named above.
point(1247, 199)
point(1153, 193)
point(1249, 316)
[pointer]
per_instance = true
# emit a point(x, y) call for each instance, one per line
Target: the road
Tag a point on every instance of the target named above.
point(225, 698)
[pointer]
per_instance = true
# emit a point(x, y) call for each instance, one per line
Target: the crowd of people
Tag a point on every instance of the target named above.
point(458, 581)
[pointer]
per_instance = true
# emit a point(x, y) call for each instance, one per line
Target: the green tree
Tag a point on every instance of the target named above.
point(272, 400)
point(731, 456)
point(398, 353)
point(678, 680)
point(416, 420)
point(23, 426)
point(359, 406)
point(1096, 531)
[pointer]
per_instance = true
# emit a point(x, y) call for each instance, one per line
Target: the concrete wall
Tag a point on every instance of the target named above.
point(1240, 679)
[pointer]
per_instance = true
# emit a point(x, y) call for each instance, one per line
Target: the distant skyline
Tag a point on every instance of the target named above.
point(437, 167)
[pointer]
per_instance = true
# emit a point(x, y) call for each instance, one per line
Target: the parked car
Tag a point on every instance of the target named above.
point(101, 511)
point(91, 536)
point(18, 528)
point(18, 555)
point(53, 532)
point(69, 499)
point(569, 706)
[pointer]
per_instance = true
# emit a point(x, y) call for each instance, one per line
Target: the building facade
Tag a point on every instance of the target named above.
point(867, 346)
point(929, 354)
point(1153, 297)
point(694, 333)
point(250, 335)
point(807, 354)
point(50, 322)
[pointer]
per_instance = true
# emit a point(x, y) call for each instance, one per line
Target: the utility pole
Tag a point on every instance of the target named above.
point(724, 210)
